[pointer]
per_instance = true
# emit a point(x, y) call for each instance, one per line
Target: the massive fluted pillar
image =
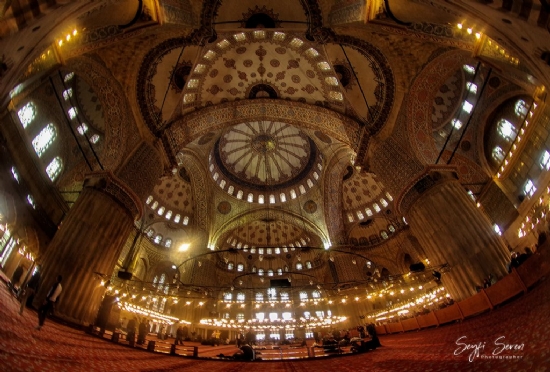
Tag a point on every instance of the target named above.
point(443, 217)
point(92, 236)
point(453, 231)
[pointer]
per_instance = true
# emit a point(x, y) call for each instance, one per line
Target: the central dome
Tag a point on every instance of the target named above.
point(263, 157)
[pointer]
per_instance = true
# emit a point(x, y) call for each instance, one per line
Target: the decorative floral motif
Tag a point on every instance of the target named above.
point(261, 70)
point(214, 89)
point(293, 63)
point(310, 74)
point(280, 50)
point(213, 73)
point(242, 75)
point(224, 207)
point(261, 53)
point(240, 50)
point(295, 79)
point(229, 63)
point(275, 63)
point(309, 89)
point(310, 206)
point(247, 63)
point(227, 79)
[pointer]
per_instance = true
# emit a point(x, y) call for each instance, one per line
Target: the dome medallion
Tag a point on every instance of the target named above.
point(253, 160)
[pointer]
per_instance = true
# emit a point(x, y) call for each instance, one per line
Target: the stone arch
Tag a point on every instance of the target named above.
point(119, 118)
point(492, 103)
point(335, 171)
point(216, 118)
point(419, 103)
point(296, 219)
point(199, 180)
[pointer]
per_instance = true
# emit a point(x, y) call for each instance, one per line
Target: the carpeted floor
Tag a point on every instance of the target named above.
point(523, 321)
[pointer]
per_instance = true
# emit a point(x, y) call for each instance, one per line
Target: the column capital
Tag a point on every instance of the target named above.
point(111, 185)
point(430, 176)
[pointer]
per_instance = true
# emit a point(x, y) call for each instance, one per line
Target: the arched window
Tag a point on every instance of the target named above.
point(308, 265)
point(177, 218)
point(150, 232)
point(162, 305)
point(498, 154)
point(240, 297)
point(279, 271)
point(240, 267)
point(67, 94)
point(149, 199)
point(299, 266)
point(27, 114)
point(168, 215)
point(259, 297)
point(272, 294)
point(68, 77)
point(260, 272)
point(471, 87)
point(155, 205)
point(227, 296)
point(54, 168)
point(469, 69)
point(158, 239)
point(270, 272)
point(529, 188)
point(507, 130)
point(230, 266)
point(521, 108)
point(285, 296)
point(161, 211)
point(44, 139)
point(73, 112)
point(545, 160)
point(316, 294)
point(303, 295)
point(168, 243)
point(384, 235)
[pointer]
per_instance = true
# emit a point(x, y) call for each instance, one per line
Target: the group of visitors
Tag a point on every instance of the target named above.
point(517, 258)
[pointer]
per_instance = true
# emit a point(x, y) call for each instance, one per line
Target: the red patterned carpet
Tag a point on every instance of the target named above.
point(524, 321)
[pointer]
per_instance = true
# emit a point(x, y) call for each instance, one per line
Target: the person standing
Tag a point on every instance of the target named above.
point(16, 277)
point(30, 289)
point(49, 303)
point(131, 330)
point(142, 331)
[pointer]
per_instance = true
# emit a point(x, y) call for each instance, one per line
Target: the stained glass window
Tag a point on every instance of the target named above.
point(44, 139)
point(72, 112)
point(82, 128)
point(498, 154)
point(67, 94)
point(95, 138)
point(521, 108)
point(27, 114)
point(54, 168)
point(507, 130)
point(68, 77)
